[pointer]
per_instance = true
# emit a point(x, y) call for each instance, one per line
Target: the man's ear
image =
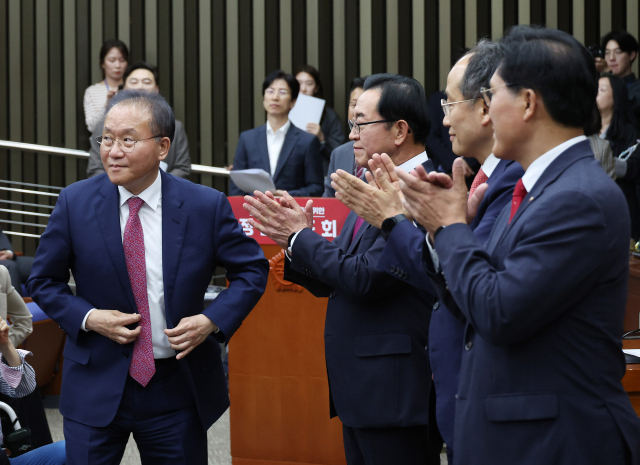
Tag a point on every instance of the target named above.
point(632, 56)
point(165, 144)
point(293, 104)
point(402, 131)
point(483, 110)
point(530, 103)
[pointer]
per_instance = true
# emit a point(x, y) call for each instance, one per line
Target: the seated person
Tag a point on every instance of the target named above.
point(141, 75)
point(14, 307)
point(19, 267)
point(17, 379)
point(291, 155)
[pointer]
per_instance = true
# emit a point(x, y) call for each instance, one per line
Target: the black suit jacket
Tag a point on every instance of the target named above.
point(299, 167)
point(375, 331)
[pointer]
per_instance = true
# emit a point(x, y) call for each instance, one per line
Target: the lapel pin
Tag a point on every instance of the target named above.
point(531, 198)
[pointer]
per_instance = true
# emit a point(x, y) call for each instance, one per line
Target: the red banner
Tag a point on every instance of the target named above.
point(328, 217)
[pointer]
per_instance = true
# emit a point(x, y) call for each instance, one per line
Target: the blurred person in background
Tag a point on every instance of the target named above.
point(329, 132)
point(114, 56)
point(143, 76)
point(342, 157)
point(619, 129)
point(620, 51)
point(289, 154)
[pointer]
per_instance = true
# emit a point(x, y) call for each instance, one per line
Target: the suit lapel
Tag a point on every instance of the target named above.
point(549, 176)
point(174, 225)
point(352, 223)
point(262, 148)
point(428, 166)
point(289, 142)
point(107, 208)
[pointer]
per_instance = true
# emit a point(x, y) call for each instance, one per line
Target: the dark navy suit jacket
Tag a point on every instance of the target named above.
point(545, 302)
point(199, 232)
point(299, 168)
point(404, 251)
point(375, 331)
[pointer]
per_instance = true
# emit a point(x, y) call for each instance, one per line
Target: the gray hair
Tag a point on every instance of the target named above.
point(162, 123)
point(485, 58)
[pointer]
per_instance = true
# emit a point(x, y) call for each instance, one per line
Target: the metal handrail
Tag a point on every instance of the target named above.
point(6, 210)
point(82, 154)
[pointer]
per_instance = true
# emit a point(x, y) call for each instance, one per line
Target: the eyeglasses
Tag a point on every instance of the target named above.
point(487, 94)
point(617, 52)
point(127, 144)
point(281, 92)
point(354, 124)
point(446, 106)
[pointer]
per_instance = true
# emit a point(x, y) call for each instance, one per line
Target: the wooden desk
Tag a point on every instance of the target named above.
point(631, 379)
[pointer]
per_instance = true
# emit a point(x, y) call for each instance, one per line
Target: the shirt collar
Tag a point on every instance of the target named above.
point(541, 163)
point(282, 130)
point(151, 195)
point(415, 161)
point(490, 164)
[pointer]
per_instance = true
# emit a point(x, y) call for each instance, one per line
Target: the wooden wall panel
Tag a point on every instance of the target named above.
point(213, 54)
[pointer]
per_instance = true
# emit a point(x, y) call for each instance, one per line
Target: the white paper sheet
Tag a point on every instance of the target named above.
point(635, 352)
point(307, 110)
point(252, 179)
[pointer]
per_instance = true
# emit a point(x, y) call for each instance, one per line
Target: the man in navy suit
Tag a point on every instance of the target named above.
point(544, 298)
point(142, 246)
point(289, 154)
point(376, 328)
point(466, 116)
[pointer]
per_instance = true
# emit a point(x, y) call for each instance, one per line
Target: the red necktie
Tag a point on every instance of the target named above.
point(359, 222)
point(519, 193)
point(142, 366)
point(479, 179)
point(358, 171)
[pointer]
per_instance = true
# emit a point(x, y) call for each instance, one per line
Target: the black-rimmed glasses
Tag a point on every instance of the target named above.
point(353, 124)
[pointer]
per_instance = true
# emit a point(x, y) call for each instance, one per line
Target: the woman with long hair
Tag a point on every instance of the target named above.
point(114, 57)
point(619, 129)
point(329, 131)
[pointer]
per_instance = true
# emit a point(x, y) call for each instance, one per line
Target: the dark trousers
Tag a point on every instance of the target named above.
point(407, 445)
point(161, 416)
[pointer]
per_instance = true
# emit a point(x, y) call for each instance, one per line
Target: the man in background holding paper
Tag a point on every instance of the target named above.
point(289, 155)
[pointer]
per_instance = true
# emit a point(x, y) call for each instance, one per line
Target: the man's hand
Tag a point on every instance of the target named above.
point(6, 255)
point(433, 205)
point(314, 128)
point(468, 172)
point(112, 324)
point(368, 202)
point(189, 333)
point(474, 201)
point(278, 220)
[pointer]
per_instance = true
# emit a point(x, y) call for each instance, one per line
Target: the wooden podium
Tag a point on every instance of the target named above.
point(277, 373)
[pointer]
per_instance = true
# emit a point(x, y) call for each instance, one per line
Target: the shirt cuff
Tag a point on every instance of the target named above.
point(293, 239)
point(85, 320)
point(434, 254)
point(13, 375)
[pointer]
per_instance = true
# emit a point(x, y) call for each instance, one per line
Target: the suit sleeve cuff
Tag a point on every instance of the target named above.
point(433, 253)
point(84, 321)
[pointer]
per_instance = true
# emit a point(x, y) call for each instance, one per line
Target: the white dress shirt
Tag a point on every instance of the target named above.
point(150, 215)
point(489, 165)
point(275, 141)
point(529, 179)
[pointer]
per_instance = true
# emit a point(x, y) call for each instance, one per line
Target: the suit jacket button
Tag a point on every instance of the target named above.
point(405, 275)
point(436, 306)
point(332, 295)
point(392, 269)
point(125, 354)
point(468, 345)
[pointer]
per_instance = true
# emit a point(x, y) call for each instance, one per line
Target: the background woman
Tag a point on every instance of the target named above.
point(329, 131)
point(114, 57)
point(618, 127)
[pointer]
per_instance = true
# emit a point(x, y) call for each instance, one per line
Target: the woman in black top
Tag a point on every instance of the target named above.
point(329, 131)
point(618, 127)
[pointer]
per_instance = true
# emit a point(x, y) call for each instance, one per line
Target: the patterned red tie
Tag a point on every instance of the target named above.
point(358, 171)
point(519, 192)
point(142, 366)
point(479, 179)
point(359, 222)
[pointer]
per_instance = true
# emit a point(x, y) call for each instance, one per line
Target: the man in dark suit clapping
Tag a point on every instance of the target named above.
point(376, 326)
point(544, 298)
